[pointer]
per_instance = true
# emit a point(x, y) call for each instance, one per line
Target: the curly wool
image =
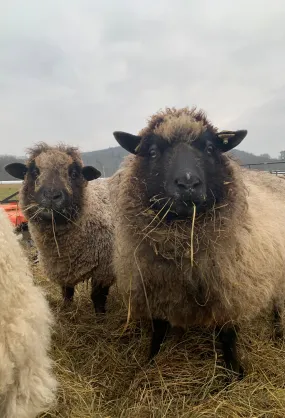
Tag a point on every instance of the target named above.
point(238, 264)
point(81, 249)
point(171, 123)
point(27, 384)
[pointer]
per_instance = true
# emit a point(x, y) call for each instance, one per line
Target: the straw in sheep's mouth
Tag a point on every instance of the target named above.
point(49, 213)
point(185, 210)
point(46, 212)
point(175, 206)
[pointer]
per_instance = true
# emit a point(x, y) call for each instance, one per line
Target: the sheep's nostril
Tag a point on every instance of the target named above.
point(187, 182)
point(195, 183)
point(57, 196)
point(181, 184)
point(54, 196)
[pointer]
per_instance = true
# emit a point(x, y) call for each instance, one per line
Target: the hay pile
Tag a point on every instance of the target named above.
point(103, 374)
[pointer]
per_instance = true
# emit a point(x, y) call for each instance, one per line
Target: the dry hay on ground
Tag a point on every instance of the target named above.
point(104, 374)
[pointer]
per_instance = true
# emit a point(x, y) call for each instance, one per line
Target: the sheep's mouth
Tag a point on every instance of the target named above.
point(172, 209)
point(47, 215)
point(51, 215)
point(183, 210)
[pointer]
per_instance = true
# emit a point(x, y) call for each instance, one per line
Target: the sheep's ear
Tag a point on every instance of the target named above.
point(128, 141)
point(90, 173)
point(17, 170)
point(227, 140)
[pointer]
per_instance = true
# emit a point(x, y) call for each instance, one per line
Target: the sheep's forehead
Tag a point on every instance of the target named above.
point(180, 127)
point(50, 160)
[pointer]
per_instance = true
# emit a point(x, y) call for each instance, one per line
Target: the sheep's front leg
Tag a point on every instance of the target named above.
point(160, 328)
point(67, 293)
point(228, 338)
point(99, 298)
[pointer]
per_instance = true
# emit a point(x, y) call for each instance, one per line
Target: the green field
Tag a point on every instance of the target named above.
point(7, 190)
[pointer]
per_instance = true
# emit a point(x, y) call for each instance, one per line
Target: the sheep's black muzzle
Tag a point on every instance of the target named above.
point(54, 203)
point(185, 183)
point(186, 192)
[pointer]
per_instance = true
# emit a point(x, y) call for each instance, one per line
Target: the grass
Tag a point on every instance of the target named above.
point(104, 374)
point(7, 190)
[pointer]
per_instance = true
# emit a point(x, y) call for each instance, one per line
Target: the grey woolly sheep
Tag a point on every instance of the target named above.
point(69, 219)
point(27, 384)
point(198, 241)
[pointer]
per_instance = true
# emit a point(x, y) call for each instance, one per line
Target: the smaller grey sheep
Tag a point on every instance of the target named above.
point(69, 218)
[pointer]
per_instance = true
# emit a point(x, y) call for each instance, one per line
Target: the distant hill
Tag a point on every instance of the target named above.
point(108, 161)
point(246, 158)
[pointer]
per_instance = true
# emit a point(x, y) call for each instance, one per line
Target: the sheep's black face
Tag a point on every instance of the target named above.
point(179, 175)
point(53, 187)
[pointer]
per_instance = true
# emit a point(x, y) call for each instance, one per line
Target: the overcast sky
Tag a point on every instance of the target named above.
point(75, 71)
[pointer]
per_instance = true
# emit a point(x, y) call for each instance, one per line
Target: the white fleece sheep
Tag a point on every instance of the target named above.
point(27, 384)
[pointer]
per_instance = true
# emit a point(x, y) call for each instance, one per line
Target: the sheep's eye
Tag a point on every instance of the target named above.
point(73, 174)
point(35, 173)
point(152, 153)
point(210, 149)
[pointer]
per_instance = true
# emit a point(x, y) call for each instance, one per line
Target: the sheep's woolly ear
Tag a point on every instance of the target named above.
point(90, 173)
point(127, 141)
point(17, 170)
point(227, 140)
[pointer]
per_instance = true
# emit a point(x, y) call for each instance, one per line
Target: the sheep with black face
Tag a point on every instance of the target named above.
point(69, 218)
point(198, 241)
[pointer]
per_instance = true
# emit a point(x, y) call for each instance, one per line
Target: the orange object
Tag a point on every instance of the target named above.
point(14, 213)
